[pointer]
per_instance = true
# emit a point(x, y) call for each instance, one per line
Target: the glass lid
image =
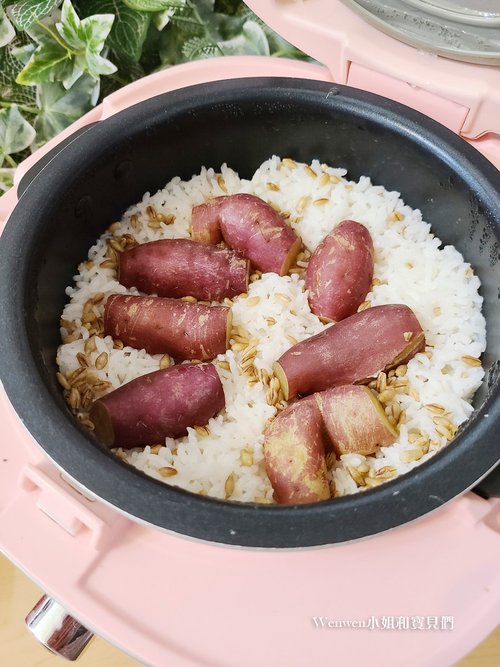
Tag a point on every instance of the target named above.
point(467, 30)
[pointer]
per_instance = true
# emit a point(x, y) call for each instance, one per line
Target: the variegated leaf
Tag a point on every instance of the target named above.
point(25, 12)
point(16, 133)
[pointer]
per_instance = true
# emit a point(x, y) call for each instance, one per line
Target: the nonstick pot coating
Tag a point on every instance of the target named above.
point(91, 182)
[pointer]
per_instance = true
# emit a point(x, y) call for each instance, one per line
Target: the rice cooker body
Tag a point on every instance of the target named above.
point(71, 196)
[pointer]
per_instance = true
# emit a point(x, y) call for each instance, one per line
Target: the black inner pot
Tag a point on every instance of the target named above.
point(94, 178)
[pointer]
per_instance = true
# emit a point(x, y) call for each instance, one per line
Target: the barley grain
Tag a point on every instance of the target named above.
point(167, 471)
point(101, 361)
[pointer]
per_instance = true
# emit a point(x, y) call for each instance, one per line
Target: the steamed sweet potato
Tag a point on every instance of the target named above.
point(340, 271)
point(354, 420)
point(295, 454)
point(250, 226)
point(158, 405)
point(166, 326)
point(179, 267)
point(352, 351)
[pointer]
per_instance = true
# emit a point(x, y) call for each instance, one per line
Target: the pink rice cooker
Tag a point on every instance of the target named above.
point(422, 594)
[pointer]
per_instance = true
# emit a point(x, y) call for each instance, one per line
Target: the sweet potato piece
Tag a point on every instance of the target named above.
point(250, 226)
point(158, 325)
point(340, 271)
point(352, 351)
point(179, 267)
point(354, 420)
point(158, 405)
point(295, 454)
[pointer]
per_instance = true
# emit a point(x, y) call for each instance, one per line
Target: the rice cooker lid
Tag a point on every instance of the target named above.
point(448, 48)
point(466, 30)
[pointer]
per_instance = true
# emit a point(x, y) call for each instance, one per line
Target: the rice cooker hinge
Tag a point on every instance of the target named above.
point(448, 113)
point(473, 123)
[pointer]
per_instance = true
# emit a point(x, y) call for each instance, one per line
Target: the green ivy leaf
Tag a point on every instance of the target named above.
point(154, 5)
point(97, 65)
point(16, 133)
point(70, 27)
point(60, 107)
point(96, 29)
point(7, 32)
point(87, 38)
point(87, 34)
point(47, 62)
point(75, 48)
point(51, 60)
point(25, 12)
point(129, 28)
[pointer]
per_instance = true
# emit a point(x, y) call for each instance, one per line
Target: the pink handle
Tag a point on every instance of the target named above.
point(68, 507)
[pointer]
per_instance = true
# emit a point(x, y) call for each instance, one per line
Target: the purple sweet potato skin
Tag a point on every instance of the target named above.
point(352, 421)
point(354, 350)
point(252, 227)
point(179, 267)
point(205, 222)
point(167, 326)
point(340, 271)
point(158, 405)
point(294, 452)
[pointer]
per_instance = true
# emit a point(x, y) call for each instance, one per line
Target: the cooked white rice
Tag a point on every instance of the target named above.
point(411, 267)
